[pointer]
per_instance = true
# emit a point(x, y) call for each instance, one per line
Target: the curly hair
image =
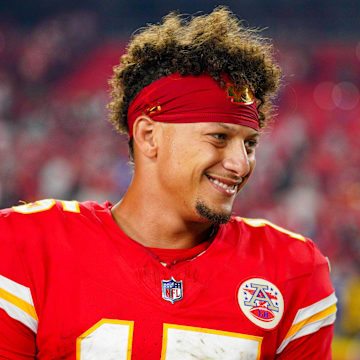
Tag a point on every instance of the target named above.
point(216, 43)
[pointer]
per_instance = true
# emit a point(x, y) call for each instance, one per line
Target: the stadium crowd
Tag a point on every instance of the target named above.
point(55, 142)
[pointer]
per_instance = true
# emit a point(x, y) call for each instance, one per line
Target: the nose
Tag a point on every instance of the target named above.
point(236, 160)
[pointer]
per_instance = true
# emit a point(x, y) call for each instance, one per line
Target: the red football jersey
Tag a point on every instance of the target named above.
point(74, 286)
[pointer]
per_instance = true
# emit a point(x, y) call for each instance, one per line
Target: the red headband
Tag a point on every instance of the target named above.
point(190, 99)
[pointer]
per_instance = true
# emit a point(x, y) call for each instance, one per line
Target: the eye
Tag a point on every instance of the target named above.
point(251, 144)
point(219, 136)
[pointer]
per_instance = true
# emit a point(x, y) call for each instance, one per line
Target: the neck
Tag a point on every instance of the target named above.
point(150, 220)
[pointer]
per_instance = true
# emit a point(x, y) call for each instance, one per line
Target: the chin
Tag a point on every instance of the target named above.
point(211, 215)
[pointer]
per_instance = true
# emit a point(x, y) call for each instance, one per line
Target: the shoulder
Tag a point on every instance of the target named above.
point(266, 227)
point(296, 267)
point(46, 230)
point(48, 207)
point(278, 243)
point(46, 215)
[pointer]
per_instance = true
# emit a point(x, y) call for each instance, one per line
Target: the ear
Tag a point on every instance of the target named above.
point(143, 135)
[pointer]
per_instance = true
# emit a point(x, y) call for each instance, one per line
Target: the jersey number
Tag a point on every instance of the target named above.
point(47, 204)
point(112, 339)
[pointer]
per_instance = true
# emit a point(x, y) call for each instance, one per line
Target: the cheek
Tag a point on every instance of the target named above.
point(173, 164)
point(184, 164)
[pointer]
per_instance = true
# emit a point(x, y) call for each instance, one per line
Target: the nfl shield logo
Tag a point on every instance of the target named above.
point(172, 290)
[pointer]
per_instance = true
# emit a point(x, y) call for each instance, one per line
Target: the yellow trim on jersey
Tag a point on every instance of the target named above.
point(310, 319)
point(16, 301)
point(207, 331)
point(321, 315)
point(263, 222)
point(315, 308)
point(97, 325)
point(21, 304)
point(308, 329)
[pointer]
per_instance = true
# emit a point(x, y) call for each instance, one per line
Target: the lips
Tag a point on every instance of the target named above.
point(224, 185)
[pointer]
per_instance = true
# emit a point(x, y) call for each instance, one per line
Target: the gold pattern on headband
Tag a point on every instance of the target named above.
point(153, 109)
point(243, 96)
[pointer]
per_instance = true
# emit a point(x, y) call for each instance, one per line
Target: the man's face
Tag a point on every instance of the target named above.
point(203, 166)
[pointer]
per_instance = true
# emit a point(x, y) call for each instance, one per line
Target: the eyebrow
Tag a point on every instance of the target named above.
point(227, 127)
point(223, 126)
point(255, 135)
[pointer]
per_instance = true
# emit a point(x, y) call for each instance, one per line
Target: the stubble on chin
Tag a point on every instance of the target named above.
point(211, 215)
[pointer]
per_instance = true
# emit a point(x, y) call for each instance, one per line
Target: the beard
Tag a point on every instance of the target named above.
point(213, 216)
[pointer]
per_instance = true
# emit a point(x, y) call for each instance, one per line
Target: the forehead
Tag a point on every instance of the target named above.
point(209, 127)
point(234, 128)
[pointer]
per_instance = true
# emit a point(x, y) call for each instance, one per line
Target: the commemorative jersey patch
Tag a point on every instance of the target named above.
point(261, 302)
point(172, 290)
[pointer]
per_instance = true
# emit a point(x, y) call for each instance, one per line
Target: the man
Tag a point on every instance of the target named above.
point(167, 272)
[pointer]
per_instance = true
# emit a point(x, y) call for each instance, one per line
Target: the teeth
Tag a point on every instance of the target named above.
point(227, 188)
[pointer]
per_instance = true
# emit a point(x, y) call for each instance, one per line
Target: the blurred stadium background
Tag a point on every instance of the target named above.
point(56, 57)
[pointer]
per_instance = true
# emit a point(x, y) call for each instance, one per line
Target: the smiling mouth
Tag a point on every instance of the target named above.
point(228, 189)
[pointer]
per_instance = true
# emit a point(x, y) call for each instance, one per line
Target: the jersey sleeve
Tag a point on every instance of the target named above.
point(310, 334)
point(18, 318)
